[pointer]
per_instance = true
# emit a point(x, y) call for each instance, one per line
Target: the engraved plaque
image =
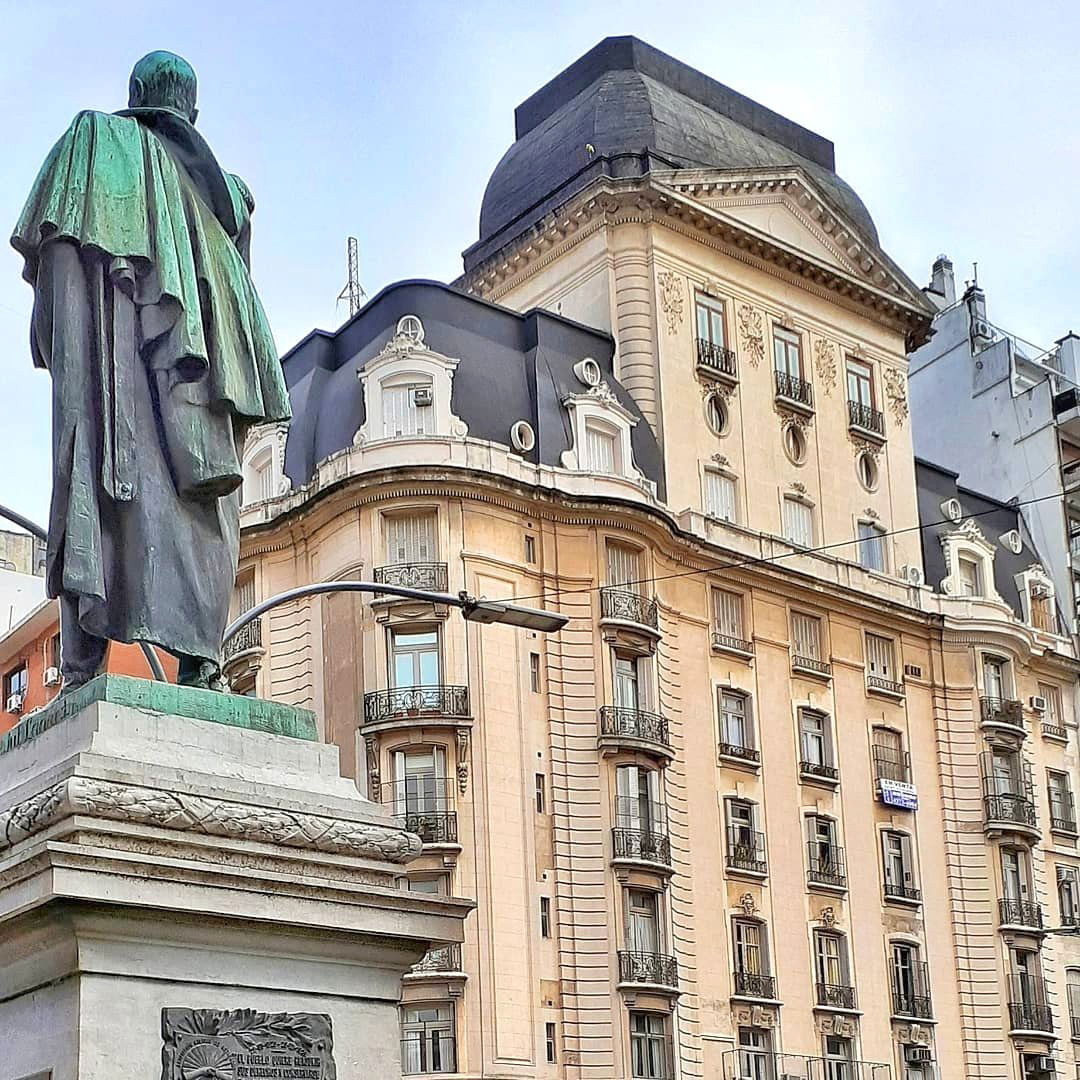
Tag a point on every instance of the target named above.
point(242, 1044)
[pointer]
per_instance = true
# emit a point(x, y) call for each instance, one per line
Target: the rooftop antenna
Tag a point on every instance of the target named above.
point(975, 271)
point(353, 291)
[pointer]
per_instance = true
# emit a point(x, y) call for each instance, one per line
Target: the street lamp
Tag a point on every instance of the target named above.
point(481, 611)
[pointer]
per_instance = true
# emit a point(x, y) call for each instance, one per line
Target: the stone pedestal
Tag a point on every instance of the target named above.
point(188, 889)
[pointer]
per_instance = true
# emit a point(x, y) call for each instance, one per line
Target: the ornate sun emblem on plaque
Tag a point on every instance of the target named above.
point(206, 1061)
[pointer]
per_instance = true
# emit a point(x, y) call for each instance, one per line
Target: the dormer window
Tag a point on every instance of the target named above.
point(601, 427)
point(601, 447)
point(969, 557)
point(970, 576)
point(407, 402)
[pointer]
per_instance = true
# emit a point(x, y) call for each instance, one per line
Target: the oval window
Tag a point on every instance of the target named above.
point(716, 414)
point(795, 444)
point(868, 470)
point(522, 437)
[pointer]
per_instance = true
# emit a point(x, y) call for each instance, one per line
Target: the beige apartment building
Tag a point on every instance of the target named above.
point(791, 794)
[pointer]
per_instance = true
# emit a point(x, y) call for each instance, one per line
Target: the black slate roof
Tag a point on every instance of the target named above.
point(512, 367)
point(639, 108)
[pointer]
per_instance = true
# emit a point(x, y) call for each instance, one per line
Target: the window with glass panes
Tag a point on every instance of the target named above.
point(888, 754)
point(905, 974)
point(1068, 889)
point(710, 320)
point(649, 1049)
point(860, 383)
point(1052, 695)
point(414, 658)
point(821, 832)
point(638, 802)
point(815, 737)
point(896, 853)
point(871, 546)
point(627, 678)
point(740, 816)
point(1015, 874)
point(719, 495)
point(15, 682)
point(970, 573)
point(1072, 995)
point(798, 522)
point(750, 955)
point(838, 1058)
point(420, 781)
point(755, 1054)
point(1059, 793)
point(642, 921)
point(625, 567)
point(995, 681)
point(830, 962)
point(427, 1039)
point(787, 352)
point(736, 728)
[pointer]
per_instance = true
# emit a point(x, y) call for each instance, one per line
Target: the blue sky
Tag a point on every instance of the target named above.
point(956, 124)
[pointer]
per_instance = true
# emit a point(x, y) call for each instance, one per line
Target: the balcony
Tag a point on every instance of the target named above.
point(836, 996)
point(1022, 913)
point(891, 764)
point(247, 638)
point(905, 894)
point(826, 865)
point(431, 576)
point(877, 685)
point(1062, 813)
point(634, 729)
point(1002, 713)
point(743, 755)
point(715, 361)
point(819, 771)
point(1011, 812)
point(811, 665)
point(866, 421)
point(794, 392)
point(440, 963)
point(424, 805)
point(1055, 731)
point(641, 845)
point(1028, 1008)
point(648, 969)
point(768, 1065)
point(750, 984)
point(417, 706)
point(624, 606)
point(910, 1003)
point(726, 643)
point(746, 851)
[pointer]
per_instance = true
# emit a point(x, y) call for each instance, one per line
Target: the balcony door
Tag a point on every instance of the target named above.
point(627, 684)
point(749, 948)
point(624, 567)
point(838, 1059)
point(787, 353)
point(994, 678)
point(829, 959)
point(823, 841)
point(860, 385)
point(755, 1054)
point(903, 970)
point(741, 824)
point(409, 538)
point(420, 781)
point(1005, 772)
point(642, 922)
point(637, 798)
point(414, 658)
point(1014, 874)
point(815, 737)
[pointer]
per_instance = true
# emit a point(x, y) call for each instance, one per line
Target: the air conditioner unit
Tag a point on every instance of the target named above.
point(52, 676)
point(1038, 702)
point(918, 1055)
point(421, 395)
point(913, 575)
point(15, 702)
point(1039, 1066)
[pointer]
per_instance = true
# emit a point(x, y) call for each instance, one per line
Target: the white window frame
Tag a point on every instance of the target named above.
point(807, 537)
point(968, 542)
point(875, 541)
point(719, 494)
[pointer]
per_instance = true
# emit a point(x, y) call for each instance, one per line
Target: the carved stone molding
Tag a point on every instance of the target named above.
point(825, 363)
point(827, 916)
point(896, 395)
point(860, 445)
point(672, 298)
point(212, 817)
point(752, 333)
point(748, 904)
point(759, 1016)
point(463, 759)
point(371, 745)
point(846, 1027)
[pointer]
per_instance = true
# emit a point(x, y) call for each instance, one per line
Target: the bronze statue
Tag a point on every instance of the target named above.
point(136, 244)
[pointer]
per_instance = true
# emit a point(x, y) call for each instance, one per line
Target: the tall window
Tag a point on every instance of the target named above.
point(1042, 609)
point(1015, 874)
point(890, 761)
point(871, 546)
point(1068, 887)
point(420, 781)
point(1072, 993)
point(798, 522)
point(649, 1046)
point(1052, 696)
point(638, 804)
point(755, 1054)
point(15, 685)
point(1005, 772)
point(406, 406)
point(727, 609)
point(899, 865)
point(628, 672)
point(736, 727)
point(815, 740)
point(881, 658)
point(625, 568)
point(995, 683)
point(970, 573)
point(710, 320)
point(906, 980)
point(414, 658)
point(806, 636)
point(409, 538)
point(839, 1064)
point(860, 383)
point(642, 922)
point(601, 448)
point(719, 495)
point(830, 959)
point(740, 815)
point(1059, 793)
point(550, 1043)
point(787, 352)
point(545, 916)
point(427, 1040)
point(750, 953)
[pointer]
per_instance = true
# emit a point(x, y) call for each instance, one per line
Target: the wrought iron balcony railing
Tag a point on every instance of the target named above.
point(444, 958)
point(1055, 731)
point(891, 764)
point(629, 606)
point(413, 575)
point(647, 967)
point(794, 389)
point(249, 636)
point(425, 806)
point(819, 770)
point(1011, 809)
point(836, 996)
point(866, 418)
point(1001, 711)
point(405, 701)
point(644, 844)
point(616, 721)
point(826, 865)
point(752, 984)
point(912, 1003)
point(1013, 912)
point(732, 644)
point(811, 664)
point(746, 850)
point(1028, 1008)
point(714, 357)
point(885, 686)
point(744, 753)
point(895, 891)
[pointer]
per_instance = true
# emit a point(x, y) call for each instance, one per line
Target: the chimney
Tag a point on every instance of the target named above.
point(1068, 349)
point(981, 333)
point(942, 280)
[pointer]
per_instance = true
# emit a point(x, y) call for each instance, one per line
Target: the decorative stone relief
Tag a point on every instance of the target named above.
point(864, 446)
point(672, 298)
point(748, 904)
point(825, 362)
point(754, 1016)
point(721, 460)
point(798, 486)
point(211, 817)
point(913, 1034)
point(871, 513)
point(827, 916)
point(371, 744)
point(752, 334)
point(896, 394)
point(837, 1024)
point(463, 759)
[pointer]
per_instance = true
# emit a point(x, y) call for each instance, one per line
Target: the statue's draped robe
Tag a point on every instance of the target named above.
point(161, 358)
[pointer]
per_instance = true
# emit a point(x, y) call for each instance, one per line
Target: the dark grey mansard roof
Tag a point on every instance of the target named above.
point(639, 109)
point(934, 485)
point(512, 367)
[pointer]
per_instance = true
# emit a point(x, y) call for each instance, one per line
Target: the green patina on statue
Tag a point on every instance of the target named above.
point(136, 244)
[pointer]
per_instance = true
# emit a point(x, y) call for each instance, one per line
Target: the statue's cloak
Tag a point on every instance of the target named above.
point(135, 241)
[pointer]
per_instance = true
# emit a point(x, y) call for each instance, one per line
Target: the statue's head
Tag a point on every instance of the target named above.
point(163, 80)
